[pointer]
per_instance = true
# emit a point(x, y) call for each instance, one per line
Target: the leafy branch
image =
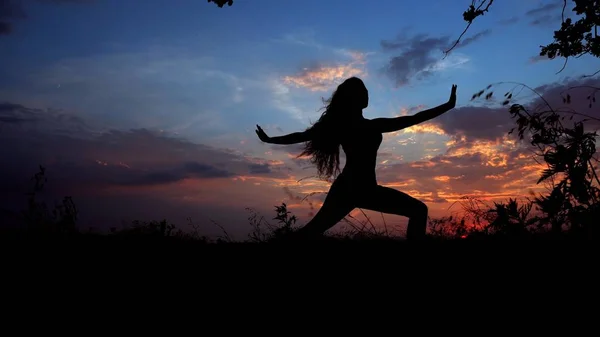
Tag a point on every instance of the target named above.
point(573, 39)
point(222, 3)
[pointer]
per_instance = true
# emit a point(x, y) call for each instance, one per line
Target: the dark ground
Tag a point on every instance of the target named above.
point(493, 278)
point(479, 253)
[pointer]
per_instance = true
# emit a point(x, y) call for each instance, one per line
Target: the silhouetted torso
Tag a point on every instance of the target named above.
point(361, 143)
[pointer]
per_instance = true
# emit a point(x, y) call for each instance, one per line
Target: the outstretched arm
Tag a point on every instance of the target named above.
point(292, 138)
point(402, 122)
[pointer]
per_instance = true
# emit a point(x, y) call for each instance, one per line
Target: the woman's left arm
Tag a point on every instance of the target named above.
point(402, 122)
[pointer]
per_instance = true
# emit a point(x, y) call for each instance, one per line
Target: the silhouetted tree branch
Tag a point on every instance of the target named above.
point(573, 39)
point(222, 3)
point(591, 75)
point(469, 15)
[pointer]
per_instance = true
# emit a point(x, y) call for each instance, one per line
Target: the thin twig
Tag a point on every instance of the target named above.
point(384, 224)
point(592, 75)
point(369, 220)
point(470, 22)
point(564, 66)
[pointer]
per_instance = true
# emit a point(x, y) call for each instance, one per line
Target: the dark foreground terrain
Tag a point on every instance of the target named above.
point(434, 278)
point(389, 253)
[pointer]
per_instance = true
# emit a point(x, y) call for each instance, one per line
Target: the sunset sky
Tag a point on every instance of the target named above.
point(147, 109)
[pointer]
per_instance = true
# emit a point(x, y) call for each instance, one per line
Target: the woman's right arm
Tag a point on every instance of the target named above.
point(292, 138)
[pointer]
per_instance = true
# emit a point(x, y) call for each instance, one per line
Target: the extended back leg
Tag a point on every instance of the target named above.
point(391, 201)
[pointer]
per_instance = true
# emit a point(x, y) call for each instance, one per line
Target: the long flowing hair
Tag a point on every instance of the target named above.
point(324, 145)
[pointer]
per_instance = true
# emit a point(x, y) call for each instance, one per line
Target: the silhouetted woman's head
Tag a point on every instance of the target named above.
point(346, 103)
point(351, 95)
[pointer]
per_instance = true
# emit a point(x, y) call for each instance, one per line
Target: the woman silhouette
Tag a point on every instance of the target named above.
point(342, 123)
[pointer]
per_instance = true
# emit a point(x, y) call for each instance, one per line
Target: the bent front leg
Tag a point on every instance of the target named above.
point(336, 206)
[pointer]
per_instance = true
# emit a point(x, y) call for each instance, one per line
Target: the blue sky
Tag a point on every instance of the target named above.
point(190, 70)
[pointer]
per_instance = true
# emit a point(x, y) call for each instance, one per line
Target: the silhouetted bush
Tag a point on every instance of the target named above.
point(41, 219)
point(568, 152)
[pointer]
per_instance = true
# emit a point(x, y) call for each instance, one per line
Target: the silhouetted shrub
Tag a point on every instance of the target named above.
point(569, 154)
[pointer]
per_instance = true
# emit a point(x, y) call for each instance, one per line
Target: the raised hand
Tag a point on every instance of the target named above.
point(452, 99)
point(262, 135)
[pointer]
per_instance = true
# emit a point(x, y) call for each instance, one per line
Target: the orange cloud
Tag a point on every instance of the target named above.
point(323, 78)
point(411, 110)
point(425, 128)
point(489, 170)
point(446, 179)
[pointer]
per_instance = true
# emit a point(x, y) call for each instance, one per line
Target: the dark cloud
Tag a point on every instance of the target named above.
point(538, 58)
point(10, 107)
point(493, 123)
point(539, 16)
point(4, 28)
point(471, 39)
point(476, 122)
point(73, 171)
point(548, 14)
point(544, 9)
point(55, 120)
point(129, 177)
point(415, 55)
point(414, 58)
point(581, 91)
point(293, 149)
point(11, 10)
point(67, 1)
point(509, 21)
point(13, 113)
point(114, 173)
point(546, 20)
point(79, 155)
point(205, 171)
point(259, 169)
